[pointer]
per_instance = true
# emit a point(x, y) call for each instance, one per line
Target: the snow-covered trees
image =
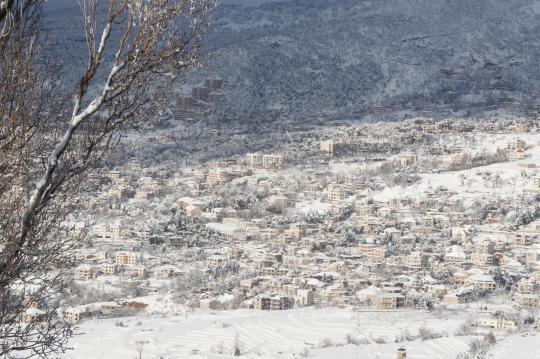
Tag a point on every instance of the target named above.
point(50, 137)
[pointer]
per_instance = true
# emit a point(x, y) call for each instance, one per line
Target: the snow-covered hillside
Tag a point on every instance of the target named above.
point(307, 57)
point(284, 334)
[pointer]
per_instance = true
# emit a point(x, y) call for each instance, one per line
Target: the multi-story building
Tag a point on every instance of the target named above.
point(389, 301)
point(483, 259)
point(126, 258)
point(336, 193)
point(482, 282)
point(265, 161)
point(416, 260)
point(111, 231)
point(83, 272)
point(276, 302)
point(527, 300)
point(374, 253)
point(329, 146)
point(108, 268)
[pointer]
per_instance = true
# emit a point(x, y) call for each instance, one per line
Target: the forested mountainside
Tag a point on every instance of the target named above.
point(302, 58)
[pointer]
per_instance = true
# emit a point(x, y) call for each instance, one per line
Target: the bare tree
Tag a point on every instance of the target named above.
point(50, 138)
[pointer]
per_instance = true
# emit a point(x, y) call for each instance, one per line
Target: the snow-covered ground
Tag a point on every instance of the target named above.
point(281, 334)
point(468, 184)
point(517, 346)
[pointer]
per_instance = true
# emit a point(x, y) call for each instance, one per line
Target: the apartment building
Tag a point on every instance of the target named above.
point(264, 161)
point(83, 272)
point(126, 258)
point(275, 302)
point(389, 301)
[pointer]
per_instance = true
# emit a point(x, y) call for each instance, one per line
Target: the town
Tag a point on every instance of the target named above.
point(413, 216)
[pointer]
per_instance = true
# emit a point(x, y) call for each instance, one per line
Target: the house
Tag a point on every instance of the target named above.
point(108, 268)
point(219, 176)
point(460, 278)
point(76, 314)
point(248, 284)
point(482, 282)
point(526, 286)
point(389, 301)
point(276, 302)
point(264, 161)
point(455, 255)
point(83, 272)
point(484, 247)
point(165, 271)
point(416, 260)
point(215, 261)
point(498, 323)
point(305, 297)
point(368, 294)
point(523, 239)
point(483, 259)
point(33, 315)
point(407, 160)
point(374, 252)
point(329, 146)
point(336, 193)
point(126, 258)
point(527, 300)
point(535, 184)
point(110, 231)
point(228, 230)
point(139, 271)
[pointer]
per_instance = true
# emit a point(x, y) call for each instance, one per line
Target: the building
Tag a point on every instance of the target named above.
point(108, 268)
point(389, 301)
point(200, 93)
point(482, 282)
point(276, 302)
point(227, 230)
point(407, 160)
point(526, 286)
point(498, 323)
point(330, 147)
point(219, 176)
point(215, 261)
point(336, 193)
point(126, 258)
point(483, 259)
point(213, 84)
point(264, 161)
point(484, 247)
point(33, 315)
point(535, 184)
point(416, 260)
point(374, 253)
point(110, 231)
point(83, 272)
point(139, 271)
point(527, 300)
point(455, 255)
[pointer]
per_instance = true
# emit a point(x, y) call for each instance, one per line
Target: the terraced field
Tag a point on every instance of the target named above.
point(266, 334)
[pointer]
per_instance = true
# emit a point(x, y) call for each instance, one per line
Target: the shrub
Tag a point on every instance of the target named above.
point(325, 343)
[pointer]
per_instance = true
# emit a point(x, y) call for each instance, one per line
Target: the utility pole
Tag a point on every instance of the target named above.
point(140, 346)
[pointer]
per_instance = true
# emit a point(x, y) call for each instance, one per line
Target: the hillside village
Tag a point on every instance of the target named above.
point(269, 179)
point(453, 223)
